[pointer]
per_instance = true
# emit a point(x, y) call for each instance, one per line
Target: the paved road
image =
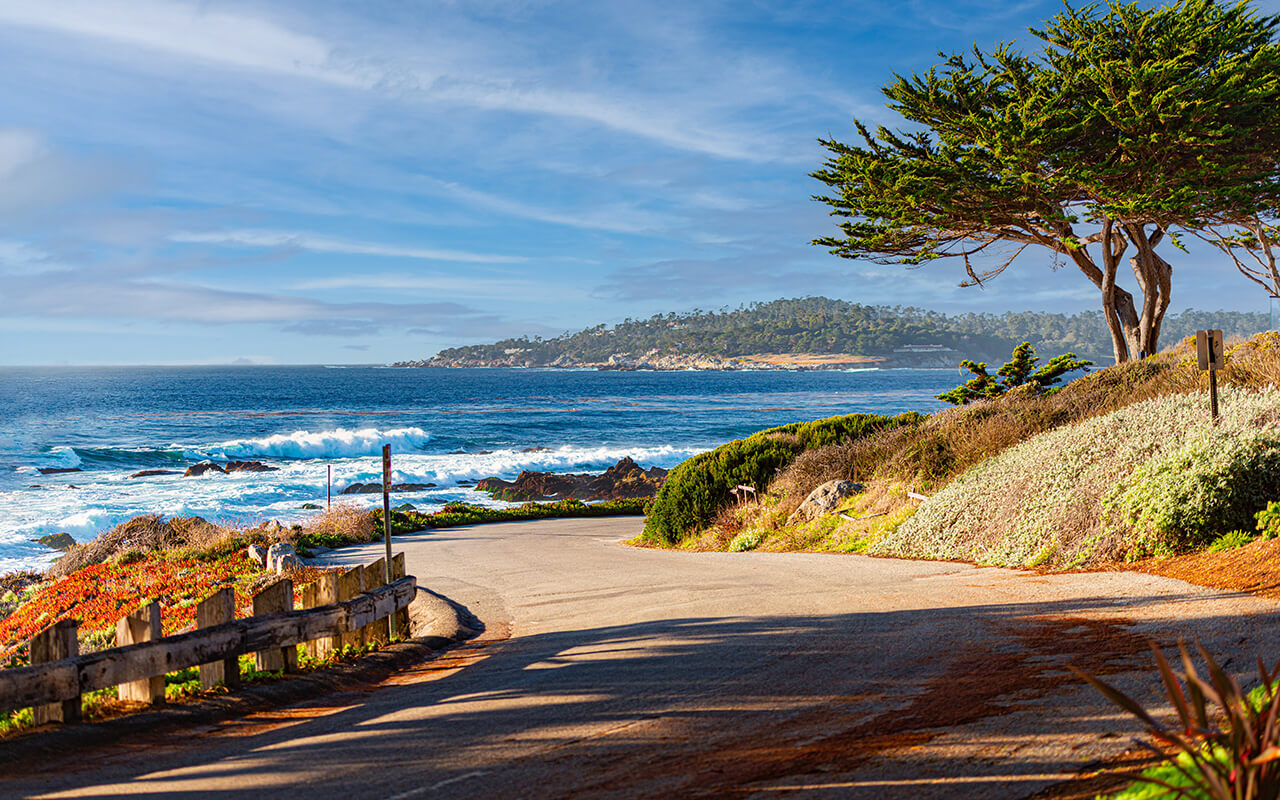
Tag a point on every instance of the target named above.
point(609, 671)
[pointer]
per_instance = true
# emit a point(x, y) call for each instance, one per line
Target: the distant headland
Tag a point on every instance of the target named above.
point(819, 333)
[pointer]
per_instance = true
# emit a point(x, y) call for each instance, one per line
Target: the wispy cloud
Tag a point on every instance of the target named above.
point(324, 244)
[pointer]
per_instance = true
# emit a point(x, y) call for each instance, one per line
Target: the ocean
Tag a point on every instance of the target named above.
point(444, 426)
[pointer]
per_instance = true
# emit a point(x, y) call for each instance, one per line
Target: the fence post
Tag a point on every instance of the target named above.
point(401, 617)
point(275, 599)
point(374, 576)
point(216, 609)
point(351, 585)
point(55, 642)
point(321, 593)
point(142, 625)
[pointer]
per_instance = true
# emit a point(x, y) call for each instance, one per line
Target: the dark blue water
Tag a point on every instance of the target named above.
point(445, 427)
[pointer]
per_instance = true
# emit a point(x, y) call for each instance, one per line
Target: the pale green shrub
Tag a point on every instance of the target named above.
point(1154, 476)
point(747, 540)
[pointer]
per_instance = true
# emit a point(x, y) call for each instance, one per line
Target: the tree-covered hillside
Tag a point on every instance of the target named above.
point(823, 325)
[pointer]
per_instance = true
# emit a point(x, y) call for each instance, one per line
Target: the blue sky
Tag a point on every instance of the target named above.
point(353, 182)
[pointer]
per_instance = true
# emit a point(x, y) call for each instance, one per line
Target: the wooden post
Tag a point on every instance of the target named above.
point(1213, 394)
point(386, 508)
point(142, 625)
point(275, 599)
point(402, 616)
point(55, 642)
point(350, 584)
point(216, 609)
point(328, 490)
point(377, 631)
point(321, 593)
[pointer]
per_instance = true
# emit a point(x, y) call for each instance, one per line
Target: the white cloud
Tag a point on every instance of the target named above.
point(615, 218)
point(324, 244)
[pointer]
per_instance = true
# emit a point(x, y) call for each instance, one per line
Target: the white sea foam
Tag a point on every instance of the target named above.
point(337, 443)
point(85, 504)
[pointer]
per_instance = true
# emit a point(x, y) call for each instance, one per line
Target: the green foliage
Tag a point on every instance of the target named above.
point(1268, 520)
point(1230, 541)
point(699, 487)
point(1019, 370)
point(455, 514)
point(1240, 761)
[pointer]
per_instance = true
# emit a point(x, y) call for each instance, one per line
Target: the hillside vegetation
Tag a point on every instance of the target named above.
point(1120, 464)
point(822, 325)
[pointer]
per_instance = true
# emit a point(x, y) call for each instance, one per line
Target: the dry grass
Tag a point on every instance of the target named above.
point(143, 535)
point(349, 522)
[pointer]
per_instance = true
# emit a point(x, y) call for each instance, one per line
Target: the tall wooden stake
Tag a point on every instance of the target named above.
point(328, 490)
point(386, 526)
point(1213, 394)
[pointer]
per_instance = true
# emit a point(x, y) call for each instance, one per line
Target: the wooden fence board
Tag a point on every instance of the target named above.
point(142, 625)
point(65, 678)
point(218, 609)
point(55, 643)
point(275, 599)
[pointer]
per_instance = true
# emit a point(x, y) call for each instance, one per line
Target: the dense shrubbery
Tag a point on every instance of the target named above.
point(1153, 477)
point(698, 488)
point(456, 514)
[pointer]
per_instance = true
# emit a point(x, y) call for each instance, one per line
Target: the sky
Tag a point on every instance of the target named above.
point(366, 182)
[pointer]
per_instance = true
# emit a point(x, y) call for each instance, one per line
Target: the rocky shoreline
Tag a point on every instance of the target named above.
point(663, 361)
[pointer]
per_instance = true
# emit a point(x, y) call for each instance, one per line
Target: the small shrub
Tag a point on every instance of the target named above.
point(1230, 541)
point(1240, 761)
point(747, 540)
point(1019, 372)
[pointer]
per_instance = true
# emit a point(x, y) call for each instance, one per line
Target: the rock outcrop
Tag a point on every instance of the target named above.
point(57, 470)
point(196, 470)
point(623, 481)
point(824, 500)
point(376, 488)
point(57, 541)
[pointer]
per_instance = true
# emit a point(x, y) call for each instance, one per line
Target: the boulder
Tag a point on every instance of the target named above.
point(248, 466)
point(623, 481)
point(824, 500)
point(277, 552)
point(287, 563)
point(310, 507)
point(196, 470)
point(57, 541)
point(406, 507)
point(258, 553)
point(147, 473)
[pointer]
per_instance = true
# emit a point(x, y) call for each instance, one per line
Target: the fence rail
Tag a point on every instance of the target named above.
point(66, 679)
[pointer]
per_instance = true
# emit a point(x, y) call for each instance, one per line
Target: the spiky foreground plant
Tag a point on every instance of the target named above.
point(1240, 761)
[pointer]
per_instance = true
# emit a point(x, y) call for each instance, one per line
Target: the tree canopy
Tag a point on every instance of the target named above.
point(1128, 125)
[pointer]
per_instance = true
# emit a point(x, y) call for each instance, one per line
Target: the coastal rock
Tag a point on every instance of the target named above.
point(196, 470)
point(278, 552)
point(257, 553)
point(310, 507)
point(248, 466)
point(57, 470)
point(406, 507)
point(623, 481)
point(147, 473)
point(376, 488)
point(824, 500)
point(57, 541)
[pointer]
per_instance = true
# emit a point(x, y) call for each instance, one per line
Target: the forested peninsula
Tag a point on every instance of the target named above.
point(822, 333)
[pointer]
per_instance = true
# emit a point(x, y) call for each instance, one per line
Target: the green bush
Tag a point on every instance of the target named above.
point(1269, 521)
point(699, 487)
point(1230, 541)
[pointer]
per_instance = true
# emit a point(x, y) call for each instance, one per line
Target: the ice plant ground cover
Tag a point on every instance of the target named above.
point(1153, 478)
point(101, 594)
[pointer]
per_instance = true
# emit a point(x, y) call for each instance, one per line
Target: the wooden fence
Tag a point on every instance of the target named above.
point(58, 675)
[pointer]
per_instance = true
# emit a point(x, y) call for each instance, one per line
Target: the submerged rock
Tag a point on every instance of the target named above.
point(310, 507)
point(147, 473)
point(57, 470)
point(824, 500)
point(376, 488)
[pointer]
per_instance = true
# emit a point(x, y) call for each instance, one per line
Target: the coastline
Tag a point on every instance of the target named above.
point(656, 361)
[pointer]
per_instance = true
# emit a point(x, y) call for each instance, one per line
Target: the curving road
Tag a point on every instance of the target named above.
point(610, 671)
